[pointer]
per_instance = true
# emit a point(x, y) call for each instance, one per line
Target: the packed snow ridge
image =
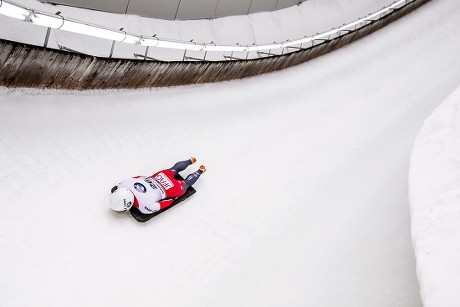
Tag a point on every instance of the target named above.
point(435, 204)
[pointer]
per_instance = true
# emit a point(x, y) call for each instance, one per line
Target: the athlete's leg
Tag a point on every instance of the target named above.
point(182, 165)
point(193, 177)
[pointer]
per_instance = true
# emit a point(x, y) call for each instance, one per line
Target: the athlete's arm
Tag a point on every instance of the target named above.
point(152, 208)
point(166, 203)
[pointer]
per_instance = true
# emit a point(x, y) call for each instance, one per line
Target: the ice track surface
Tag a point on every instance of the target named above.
point(304, 202)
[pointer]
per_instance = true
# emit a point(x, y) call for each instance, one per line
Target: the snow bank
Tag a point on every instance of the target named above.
point(435, 204)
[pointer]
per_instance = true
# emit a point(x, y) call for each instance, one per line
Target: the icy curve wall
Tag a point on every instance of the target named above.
point(30, 66)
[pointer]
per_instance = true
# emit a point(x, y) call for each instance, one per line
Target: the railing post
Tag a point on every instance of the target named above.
point(111, 49)
point(47, 36)
point(146, 52)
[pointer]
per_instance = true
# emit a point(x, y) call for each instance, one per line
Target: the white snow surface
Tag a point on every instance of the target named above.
point(305, 202)
point(435, 204)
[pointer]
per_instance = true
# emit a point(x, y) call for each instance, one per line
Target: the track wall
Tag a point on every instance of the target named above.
point(30, 66)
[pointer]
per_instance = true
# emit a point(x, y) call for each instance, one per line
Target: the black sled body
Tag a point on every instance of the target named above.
point(142, 218)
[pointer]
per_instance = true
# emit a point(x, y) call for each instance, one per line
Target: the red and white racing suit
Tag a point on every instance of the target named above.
point(155, 192)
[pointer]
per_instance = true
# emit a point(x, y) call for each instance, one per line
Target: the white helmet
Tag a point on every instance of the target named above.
point(121, 200)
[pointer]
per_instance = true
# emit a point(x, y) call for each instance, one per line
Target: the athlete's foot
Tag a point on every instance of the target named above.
point(193, 160)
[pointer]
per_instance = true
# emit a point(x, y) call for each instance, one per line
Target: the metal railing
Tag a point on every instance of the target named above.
point(59, 22)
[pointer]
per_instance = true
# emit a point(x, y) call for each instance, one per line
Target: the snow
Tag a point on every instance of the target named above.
point(435, 198)
point(305, 202)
